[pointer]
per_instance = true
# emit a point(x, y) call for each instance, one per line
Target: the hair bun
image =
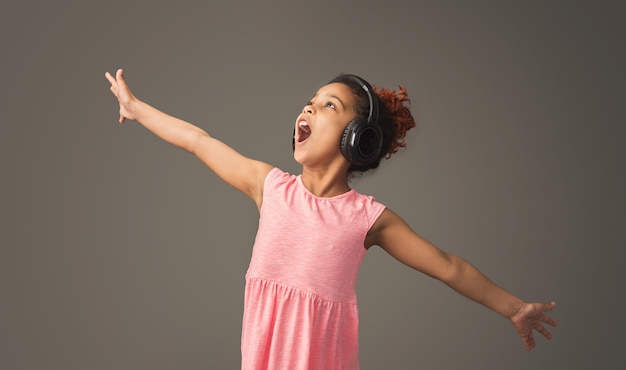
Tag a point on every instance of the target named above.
point(397, 104)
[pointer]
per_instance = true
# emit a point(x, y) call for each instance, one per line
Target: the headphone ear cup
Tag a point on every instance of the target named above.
point(348, 139)
point(361, 142)
point(369, 143)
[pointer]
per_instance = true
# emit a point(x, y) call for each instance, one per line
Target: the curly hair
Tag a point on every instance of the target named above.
point(394, 117)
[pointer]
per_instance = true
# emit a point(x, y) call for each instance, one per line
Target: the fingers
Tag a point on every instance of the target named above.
point(118, 74)
point(548, 320)
point(119, 77)
point(543, 331)
point(532, 318)
point(529, 341)
point(119, 89)
point(110, 78)
point(115, 81)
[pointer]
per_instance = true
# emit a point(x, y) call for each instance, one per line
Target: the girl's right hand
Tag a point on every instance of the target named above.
point(124, 96)
point(531, 316)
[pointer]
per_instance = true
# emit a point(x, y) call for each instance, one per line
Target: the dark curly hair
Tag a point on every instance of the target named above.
point(394, 117)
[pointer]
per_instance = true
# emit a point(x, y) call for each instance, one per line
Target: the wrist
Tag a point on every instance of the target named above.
point(515, 310)
point(136, 109)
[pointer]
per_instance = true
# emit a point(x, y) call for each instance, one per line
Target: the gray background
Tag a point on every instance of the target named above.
point(118, 251)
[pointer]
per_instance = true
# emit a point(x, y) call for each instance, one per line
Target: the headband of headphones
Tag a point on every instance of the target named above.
point(372, 117)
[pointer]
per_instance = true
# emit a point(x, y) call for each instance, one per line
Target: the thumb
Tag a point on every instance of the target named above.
point(549, 306)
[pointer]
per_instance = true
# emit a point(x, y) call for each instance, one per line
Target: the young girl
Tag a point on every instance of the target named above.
point(300, 305)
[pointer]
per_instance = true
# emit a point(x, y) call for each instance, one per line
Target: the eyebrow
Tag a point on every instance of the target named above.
point(335, 97)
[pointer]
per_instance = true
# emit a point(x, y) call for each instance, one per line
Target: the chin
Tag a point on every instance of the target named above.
point(297, 157)
point(303, 158)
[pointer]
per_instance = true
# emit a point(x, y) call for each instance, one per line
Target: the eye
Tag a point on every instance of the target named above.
point(329, 105)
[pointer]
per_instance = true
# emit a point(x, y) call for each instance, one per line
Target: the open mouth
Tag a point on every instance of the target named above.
point(304, 131)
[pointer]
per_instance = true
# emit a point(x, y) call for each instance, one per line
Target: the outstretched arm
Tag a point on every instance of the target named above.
point(392, 234)
point(245, 174)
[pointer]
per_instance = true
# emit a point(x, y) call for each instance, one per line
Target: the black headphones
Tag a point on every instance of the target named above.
point(362, 139)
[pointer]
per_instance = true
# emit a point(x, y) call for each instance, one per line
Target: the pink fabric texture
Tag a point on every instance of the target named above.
point(300, 308)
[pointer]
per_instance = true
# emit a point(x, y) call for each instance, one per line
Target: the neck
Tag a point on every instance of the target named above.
point(325, 183)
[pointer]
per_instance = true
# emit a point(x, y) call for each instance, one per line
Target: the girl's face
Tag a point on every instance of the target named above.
point(321, 124)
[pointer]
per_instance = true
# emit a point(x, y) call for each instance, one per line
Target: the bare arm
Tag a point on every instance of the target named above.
point(392, 234)
point(244, 174)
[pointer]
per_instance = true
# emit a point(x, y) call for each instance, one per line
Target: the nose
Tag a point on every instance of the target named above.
point(308, 109)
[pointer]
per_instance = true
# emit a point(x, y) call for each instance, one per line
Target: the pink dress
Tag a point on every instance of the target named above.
point(300, 308)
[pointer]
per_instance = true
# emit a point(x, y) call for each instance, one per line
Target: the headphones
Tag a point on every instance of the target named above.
point(362, 138)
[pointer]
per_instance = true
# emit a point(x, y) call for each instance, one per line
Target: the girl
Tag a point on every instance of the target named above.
point(300, 307)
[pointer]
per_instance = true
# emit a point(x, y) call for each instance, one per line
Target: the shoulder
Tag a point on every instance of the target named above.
point(276, 177)
point(371, 208)
point(386, 225)
point(386, 219)
point(274, 180)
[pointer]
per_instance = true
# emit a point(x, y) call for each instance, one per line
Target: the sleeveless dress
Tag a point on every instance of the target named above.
point(300, 307)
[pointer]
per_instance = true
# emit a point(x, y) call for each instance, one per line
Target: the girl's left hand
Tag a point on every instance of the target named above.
point(531, 316)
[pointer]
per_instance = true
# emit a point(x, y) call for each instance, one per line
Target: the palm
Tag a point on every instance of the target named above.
point(531, 317)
